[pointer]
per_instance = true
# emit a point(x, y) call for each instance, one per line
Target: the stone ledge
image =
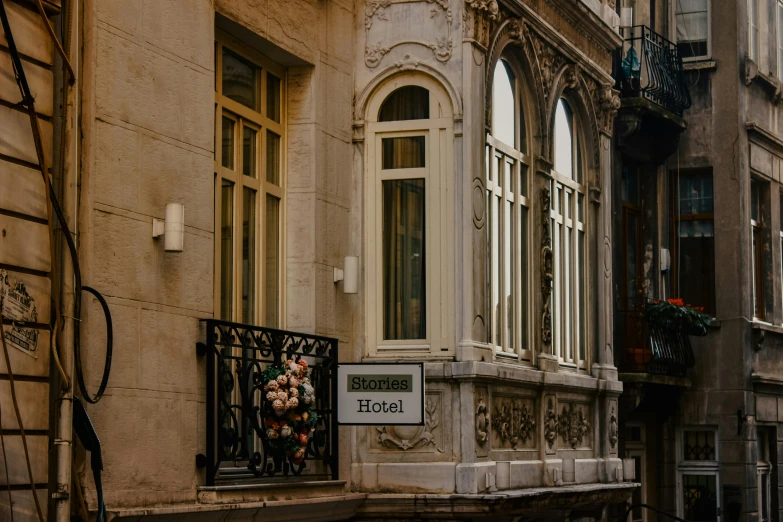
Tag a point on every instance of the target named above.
point(651, 378)
point(515, 374)
point(270, 492)
point(323, 509)
point(510, 502)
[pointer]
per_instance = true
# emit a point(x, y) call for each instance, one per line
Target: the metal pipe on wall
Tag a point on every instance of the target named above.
point(70, 186)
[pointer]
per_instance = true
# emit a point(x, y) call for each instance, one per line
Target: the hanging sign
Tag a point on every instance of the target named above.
point(380, 394)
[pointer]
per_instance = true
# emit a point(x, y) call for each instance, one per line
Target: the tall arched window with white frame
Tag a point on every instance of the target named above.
point(507, 166)
point(409, 229)
point(568, 213)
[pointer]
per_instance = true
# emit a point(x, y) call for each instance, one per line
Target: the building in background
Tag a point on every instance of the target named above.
point(697, 204)
point(461, 149)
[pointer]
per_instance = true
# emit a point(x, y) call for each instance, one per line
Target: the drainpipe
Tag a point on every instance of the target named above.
point(63, 444)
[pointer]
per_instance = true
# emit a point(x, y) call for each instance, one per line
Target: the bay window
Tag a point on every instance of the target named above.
point(248, 186)
point(507, 164)
point(567, 214)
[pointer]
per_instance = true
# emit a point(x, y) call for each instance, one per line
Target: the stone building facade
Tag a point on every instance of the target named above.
point(461, 149)
point(700, 220)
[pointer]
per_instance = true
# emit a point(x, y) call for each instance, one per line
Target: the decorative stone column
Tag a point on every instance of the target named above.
point(477, 18)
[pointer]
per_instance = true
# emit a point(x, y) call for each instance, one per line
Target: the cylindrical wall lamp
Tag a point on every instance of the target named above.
point(173, 228)
point(349, 275)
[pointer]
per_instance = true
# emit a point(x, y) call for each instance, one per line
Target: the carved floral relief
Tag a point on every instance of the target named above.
point(382, 34)
point(407, 438)
point(482, 422)
point(574, 425)
point(513, 423)
point(551, 424)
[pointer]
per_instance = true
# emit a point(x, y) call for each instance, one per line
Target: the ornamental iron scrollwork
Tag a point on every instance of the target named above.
point(513, 422)
point(420, 436)
point(375, 10)
point(236, 356)
point(573, 425)
point(547, 268)
point(551, 424)
point(482, 422)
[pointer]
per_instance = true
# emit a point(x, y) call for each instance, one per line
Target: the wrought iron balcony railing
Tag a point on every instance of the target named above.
point(239, 416)
point(651, 67)
point(653, 349)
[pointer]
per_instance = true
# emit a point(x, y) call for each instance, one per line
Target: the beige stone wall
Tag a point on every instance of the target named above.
point(149, 140)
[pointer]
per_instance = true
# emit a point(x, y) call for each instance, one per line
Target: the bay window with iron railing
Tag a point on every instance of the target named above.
point(249, 185)
point(507, 164)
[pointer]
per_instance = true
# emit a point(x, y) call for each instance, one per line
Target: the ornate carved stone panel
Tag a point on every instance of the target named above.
point(513, 423)
point(422, 23)
point(551, 424)
point(482, 421)
point(415, 439)
point(613, 428)
point(574, 425)
point(477, 19)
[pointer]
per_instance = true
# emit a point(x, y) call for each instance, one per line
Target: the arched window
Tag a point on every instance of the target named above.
point(410, 143)
point(568, 212)
point(507, 166)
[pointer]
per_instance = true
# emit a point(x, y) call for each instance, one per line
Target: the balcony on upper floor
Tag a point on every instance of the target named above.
point(649, 74)
point(653, 349)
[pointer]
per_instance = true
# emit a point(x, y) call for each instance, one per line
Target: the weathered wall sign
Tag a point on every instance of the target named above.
point(380, 394)
point(18, 305)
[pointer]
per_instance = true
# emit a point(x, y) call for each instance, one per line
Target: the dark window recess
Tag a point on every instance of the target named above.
point(693, 238)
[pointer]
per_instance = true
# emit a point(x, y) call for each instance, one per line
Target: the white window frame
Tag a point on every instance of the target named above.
point(566, 192)
point(673, 25)
point(637, 448)
point(498, 196)
point(764, 467)
point(753, 30)
point(439, 219)
point(261, 123)
point(696, 467)
point(779, 36)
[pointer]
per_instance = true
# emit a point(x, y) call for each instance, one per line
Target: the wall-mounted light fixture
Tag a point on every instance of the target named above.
point(173, 227)
point(349, 275)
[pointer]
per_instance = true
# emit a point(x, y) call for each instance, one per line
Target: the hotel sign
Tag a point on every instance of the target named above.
point(380, 394)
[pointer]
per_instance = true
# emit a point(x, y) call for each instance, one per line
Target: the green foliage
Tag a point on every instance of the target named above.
point(676, 315)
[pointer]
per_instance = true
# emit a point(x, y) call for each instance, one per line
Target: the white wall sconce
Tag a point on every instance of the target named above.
point(173, 228)
point(349, 275)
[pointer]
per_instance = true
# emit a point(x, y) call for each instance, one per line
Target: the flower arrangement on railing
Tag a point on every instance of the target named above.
point(290, 419)
point(676, 315)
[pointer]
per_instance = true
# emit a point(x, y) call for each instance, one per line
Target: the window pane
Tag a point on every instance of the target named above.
point(240, 80)
point(636, 514)
point(249, 140)
point(563, 141)
point(248, 256)
point(273, 97)
point(697, 262)
point(692, 27)
point(699, 498)
point(404, 153)
point(272, 263)
point(228, 143)
point(503, 106)
point(404, 296)
point(508, 273)
point(496, 265)
point(272, 158)
point(406, 103)
point(226, 250)
point(630, 190)
point(755, 201)
point(524, 260)
point(581, 303)
point(699, 445)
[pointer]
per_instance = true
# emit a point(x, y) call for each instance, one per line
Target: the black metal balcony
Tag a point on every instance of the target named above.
point(238, 414)
point(650, 67)
point(653, 349)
